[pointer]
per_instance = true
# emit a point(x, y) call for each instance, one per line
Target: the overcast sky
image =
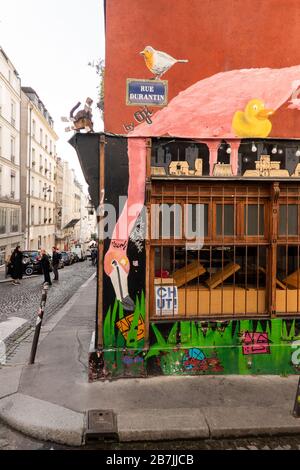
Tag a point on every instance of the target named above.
point(50, 43)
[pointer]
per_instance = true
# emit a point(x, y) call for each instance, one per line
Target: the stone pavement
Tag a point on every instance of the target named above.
point(49, 400)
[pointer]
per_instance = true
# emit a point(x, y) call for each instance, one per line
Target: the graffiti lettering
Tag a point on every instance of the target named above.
point(166, 300)
point(128, 360)
point(138, 234)
point(120, 244)
point(125, 323)
point(129, 127)
point(296, 354)
point(255, 343)
point(143, 115)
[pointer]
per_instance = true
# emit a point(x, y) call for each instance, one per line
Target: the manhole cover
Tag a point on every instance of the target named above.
point(102, 424)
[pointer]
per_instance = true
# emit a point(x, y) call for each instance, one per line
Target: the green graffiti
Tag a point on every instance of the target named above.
point(123, 339)
point(224, 347)
point(196, 347)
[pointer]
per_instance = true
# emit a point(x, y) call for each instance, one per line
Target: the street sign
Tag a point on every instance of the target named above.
point(146, 92)
point(166, 300)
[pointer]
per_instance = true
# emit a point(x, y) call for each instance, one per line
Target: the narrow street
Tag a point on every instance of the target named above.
point(23, 300)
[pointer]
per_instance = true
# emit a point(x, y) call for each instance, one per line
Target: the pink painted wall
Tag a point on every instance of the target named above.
point(214, 35)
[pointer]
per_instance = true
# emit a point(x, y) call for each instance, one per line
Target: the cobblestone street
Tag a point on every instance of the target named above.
point(23, 301)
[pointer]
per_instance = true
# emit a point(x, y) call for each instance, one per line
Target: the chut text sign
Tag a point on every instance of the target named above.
point(166, 299)
point(146, 92)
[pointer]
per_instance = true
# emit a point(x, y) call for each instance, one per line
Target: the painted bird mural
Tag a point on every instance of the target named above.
point(159, 62)
point(204, 111)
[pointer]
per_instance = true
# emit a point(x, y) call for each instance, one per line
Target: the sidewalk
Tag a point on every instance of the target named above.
point(4, 279)
point(50, 399)
point(2, 274)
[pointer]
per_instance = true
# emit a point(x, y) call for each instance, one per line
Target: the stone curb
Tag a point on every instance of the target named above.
point(162, 424)
point(49, 422)
point(43, 420)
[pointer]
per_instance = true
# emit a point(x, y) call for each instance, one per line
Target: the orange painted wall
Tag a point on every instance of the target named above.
point(214, 35)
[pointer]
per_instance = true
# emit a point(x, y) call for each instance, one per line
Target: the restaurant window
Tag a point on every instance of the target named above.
point(254, 219)
point(225, 272)
point(288, 219)
point(196, 221)
point(169, 218)
point(225, 219)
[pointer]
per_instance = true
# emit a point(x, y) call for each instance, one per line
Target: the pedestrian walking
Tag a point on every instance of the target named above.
point(16, 265)
point(45, 262)
point(94, 256)
point(56, 257)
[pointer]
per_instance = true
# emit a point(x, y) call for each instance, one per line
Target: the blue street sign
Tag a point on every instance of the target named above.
point(146, 92)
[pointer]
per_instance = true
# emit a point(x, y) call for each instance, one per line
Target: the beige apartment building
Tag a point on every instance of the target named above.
point(38, 185)
point(10, 207)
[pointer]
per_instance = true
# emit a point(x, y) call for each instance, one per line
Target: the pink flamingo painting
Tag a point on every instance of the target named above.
point(203, 112)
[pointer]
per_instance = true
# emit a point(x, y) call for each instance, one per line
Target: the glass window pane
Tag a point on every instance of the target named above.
point(288, 219)
point(196, 221)
point(225, 219)
point(170, 221)
point(254, 222)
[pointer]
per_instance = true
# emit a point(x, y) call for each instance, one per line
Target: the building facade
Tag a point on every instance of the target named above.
point(11, 233)
point(200, 272)
point(71, 210)
point(38, 141)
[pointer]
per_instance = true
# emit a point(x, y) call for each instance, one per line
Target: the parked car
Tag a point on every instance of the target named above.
point(78, 252)
point(66, 258)
point(31, 263)
point(72, 257)
point(76, 257)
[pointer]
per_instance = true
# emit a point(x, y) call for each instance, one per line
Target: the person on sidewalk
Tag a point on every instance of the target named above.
point(56, 257)
point(17, 265)
point(94, 257)
point(45, 262)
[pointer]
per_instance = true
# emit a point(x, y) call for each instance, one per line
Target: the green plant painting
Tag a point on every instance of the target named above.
point(195, 347)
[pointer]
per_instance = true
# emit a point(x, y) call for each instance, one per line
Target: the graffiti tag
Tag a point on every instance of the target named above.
point(119, 245)
point(129, 127)
point(138, 234)
point(125, 323)
point(255, 343)
point(142, 115)
point(129, 360)
point(296, 354)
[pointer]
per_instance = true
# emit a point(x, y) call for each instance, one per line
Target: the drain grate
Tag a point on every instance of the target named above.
point(101, 425)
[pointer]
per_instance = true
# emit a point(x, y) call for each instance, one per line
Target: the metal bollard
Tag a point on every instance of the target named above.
point(39, 323)
point(296, 411)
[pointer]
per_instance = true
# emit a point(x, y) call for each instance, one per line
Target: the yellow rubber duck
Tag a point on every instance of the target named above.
point(253, 122)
